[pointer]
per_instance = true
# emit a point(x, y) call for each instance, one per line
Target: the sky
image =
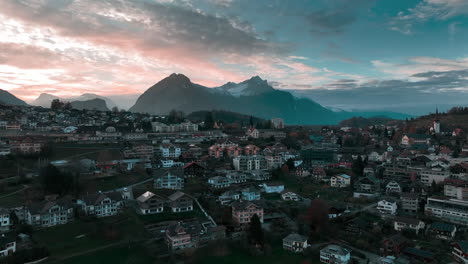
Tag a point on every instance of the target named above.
point(324, 48)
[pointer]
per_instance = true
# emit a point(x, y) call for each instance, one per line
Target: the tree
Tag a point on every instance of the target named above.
point(209, 120)
point(255, 231)
point(56, 104)
point(54, 181)
point(358, 166)
point(317, 215)
point(115, 109)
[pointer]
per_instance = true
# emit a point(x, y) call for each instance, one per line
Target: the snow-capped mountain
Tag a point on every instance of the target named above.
point(253, 86)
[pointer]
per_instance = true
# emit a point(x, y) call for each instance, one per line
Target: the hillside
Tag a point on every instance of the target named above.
point(94, 104)
point(251, 97)
point(224, 117)
point(9, 99)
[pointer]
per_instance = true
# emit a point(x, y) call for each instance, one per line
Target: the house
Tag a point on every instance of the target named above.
point(252, 132)
point(233, 151)
point(169, 181)
point(179, 237)
point(228, 197)
point(250, 194)
point(436, 174)
point(193, 169)
point(236, 177)
point(101, 204)
point(400, 223)
point(386, 207)
point(366, 187)
point(393, 187)
point(243, 211)
point(409, 202)
point(340, 181)
point(170, 151)
point(5, 221)
point(48, 213)
point(273, 187)
point(251, 150)
point(460, 251)
point(277, 123)
point(450, 210)
point(334, 212)
point(248, 163)
point(295, 243)
point(180, 202)
point(7, 244)
point(150, 203)
point(410, 139)
point(394, 245)
point(456, 188)
point(289, 196)
point(216, 151)
point(219, 182)
point(441, 230)
point(318, 173)
point(334, 254)
point(259, 175)
point(274, 162)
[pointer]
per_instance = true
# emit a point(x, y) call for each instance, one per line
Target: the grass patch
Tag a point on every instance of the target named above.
point(82, 235)
point(239, 255)
point(131, 253)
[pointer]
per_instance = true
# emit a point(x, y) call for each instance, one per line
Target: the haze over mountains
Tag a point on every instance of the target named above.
point(46, 99)
point(254, 96)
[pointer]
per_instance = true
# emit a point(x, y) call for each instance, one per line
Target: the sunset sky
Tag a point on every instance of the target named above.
point(110, 47)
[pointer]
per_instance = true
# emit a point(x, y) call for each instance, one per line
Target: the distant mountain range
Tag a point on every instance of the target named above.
point(46, 99)
point(251, 97)
point(93, 104)
point(9, 99)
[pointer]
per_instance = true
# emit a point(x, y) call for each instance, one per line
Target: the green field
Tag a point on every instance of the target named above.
point(237, 255)
point(134, 254)
point(82, 235)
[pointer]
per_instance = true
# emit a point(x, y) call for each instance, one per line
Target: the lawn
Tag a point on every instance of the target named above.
point(80, 151)
point(83, 235)
point(134, 254)
point(237, 255)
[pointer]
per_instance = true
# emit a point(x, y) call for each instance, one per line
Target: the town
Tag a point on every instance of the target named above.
point(110, 185)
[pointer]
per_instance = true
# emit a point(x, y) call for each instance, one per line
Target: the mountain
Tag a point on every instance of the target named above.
point(45, 99)
point(93, 104)
point(254, 86)
point(90, 96)
point(251, 97)
point(9, 99)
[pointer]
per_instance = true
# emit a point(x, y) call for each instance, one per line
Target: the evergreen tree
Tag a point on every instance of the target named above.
point(255, 231)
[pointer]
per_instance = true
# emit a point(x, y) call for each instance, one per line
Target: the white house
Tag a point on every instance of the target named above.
point(170, 151)
point(401, 223)
point(386, 207)
point(340, 181)
point(393, 187)
point(273, 187)
point(7, 244)
point(334, 254)
point(5, 222)
point(289, 196)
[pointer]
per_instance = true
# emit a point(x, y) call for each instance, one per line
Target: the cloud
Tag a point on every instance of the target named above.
point(443, 88)
point(428, 10)
point(415, 65)
point(335, 16)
